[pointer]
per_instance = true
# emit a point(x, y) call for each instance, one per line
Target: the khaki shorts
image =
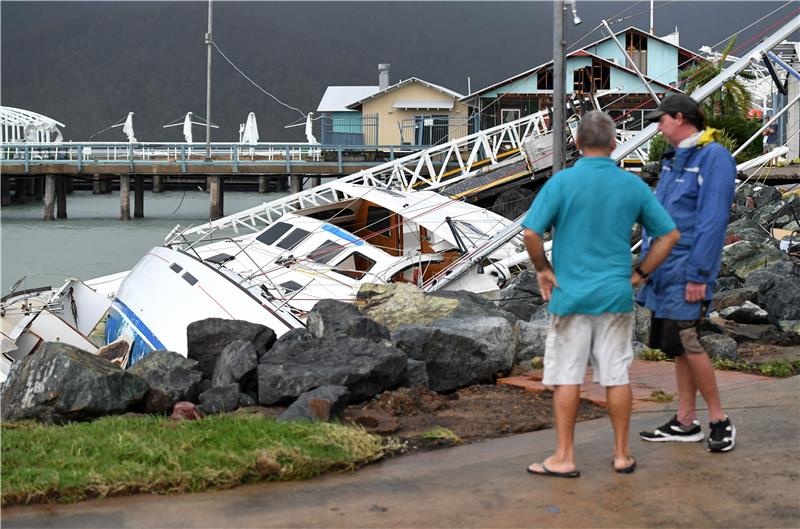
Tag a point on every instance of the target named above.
point(675, 337)
point(573, 340)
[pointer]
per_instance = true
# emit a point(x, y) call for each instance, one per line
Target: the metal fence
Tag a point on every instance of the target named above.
point(429, 130)
point(339, 129)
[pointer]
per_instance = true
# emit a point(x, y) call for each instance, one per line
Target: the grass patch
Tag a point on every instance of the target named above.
point(659, 395)
point(653, 355)
point(780, 367)
point(122, 455)
point(440, 433)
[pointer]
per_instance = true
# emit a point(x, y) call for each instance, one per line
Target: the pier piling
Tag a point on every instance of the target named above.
point(96, 185)
point(158, 184)
point(297, 183)
point(38, 188)
point(262, 184)
point(125, 197)
point(61, 197)
point(316, 180)
point(138, 196)
point(5, 192)
point(216, 193)
point(49, 196)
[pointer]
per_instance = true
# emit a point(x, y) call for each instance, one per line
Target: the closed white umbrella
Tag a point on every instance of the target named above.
point(187, 127)
point(127, 128)
point(250, 134)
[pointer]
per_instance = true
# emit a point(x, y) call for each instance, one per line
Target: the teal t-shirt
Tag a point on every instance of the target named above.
point(592, 208)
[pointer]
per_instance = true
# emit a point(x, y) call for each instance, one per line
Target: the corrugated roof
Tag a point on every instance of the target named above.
point(337, 98)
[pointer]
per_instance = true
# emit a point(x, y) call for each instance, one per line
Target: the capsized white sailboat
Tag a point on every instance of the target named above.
point(275, 276)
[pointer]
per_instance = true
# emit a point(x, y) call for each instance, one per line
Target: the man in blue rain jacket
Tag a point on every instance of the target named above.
point(696, 186)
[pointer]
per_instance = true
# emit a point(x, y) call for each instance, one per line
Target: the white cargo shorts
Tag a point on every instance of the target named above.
point(573, 340)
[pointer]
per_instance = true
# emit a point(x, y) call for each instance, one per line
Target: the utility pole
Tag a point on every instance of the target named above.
point(208, 84)
point(559, 99)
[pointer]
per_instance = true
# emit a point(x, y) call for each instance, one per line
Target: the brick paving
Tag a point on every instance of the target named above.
point(646, 377)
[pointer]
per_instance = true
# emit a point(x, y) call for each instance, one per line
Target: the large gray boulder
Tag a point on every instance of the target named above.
point(742, 258)
point(748, 229)
point(59, 382)
point(720, 346)
point(748, 312)
point(331, 317)
point(416, 374)
point(531, 339)
point(460, 352)
point(398, 304)
point(172, 378)
point(299, 362)
point(522, 297)
point(207, 338)
point(321, 404)
point(779, 295)
point(734, 297)
point(642, 322)
point(236, 364)
point(220, 399)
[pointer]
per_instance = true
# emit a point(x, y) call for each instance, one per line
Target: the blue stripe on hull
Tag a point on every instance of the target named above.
point(121, 318)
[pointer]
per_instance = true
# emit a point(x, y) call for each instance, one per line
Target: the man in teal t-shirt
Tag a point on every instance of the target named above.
point(592, 208)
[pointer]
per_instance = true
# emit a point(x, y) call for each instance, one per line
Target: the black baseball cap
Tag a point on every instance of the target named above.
point(674, 103)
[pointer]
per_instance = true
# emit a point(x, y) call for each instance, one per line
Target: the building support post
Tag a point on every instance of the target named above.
point(559, 99)
point(158, 183)
point(138, 196)
point(316, 180)
point(216, 193)
point(61, 197)
point(263, 186)
point(125, 197)
point(49, 196)
point(297, 183)
point(97, 185)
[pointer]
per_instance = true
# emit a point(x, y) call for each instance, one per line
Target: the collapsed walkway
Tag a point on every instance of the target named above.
point(485, 484)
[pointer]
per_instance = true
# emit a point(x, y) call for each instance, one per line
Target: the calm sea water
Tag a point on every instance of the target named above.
point(93, 241)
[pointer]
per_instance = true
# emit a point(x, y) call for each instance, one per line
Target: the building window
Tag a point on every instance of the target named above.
point(545, 81)
point(636, 47)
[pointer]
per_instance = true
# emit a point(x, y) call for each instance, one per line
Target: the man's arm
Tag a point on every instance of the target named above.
point(659, 250)
point(544, 272)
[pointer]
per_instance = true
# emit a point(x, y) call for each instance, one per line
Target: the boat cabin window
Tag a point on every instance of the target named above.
point(355, 265)
point(293, 239)
point(325, 252)
point(291, 286)
point(379, 220)
point(274, 232)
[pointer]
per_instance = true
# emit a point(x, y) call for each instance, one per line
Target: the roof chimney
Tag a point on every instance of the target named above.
point(383, 76)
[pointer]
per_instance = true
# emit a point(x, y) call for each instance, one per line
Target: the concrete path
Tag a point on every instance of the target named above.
point(485, 484)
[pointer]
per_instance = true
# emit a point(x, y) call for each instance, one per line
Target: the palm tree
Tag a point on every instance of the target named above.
point(731, 99)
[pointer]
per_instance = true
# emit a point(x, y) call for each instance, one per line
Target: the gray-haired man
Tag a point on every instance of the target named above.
point(592, 208)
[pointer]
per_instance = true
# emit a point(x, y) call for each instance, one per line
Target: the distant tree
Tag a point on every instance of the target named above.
point(731, 99)
point(658, 146)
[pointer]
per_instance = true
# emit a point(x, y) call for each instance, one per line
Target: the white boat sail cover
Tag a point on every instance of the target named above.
point(187, 127)
point(309, 131)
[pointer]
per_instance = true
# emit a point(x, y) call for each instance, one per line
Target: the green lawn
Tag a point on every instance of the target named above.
point(124, 455)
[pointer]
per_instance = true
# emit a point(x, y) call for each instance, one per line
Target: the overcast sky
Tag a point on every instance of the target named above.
point(87, 64)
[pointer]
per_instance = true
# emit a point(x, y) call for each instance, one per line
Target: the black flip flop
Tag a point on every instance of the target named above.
point(627, 470)
point(552, 473)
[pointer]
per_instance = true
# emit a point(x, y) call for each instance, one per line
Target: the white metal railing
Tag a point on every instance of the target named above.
point(428, 169)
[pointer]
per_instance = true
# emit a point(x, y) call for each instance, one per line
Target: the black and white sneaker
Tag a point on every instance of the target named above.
point(674, 431)
point(722, 437)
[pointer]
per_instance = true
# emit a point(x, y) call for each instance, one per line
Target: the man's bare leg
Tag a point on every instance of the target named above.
point(565, 407)
point(620, 400)
point(687, 391)
point(700, 366)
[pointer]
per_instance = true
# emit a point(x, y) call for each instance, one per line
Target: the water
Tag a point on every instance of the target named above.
point(93, 241)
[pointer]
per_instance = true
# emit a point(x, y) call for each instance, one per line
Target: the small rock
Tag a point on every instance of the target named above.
point(220, 399)
point(720, 346)
point(321, 404)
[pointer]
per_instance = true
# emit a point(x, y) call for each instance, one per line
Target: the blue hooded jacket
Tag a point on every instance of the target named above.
point(696, 187)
